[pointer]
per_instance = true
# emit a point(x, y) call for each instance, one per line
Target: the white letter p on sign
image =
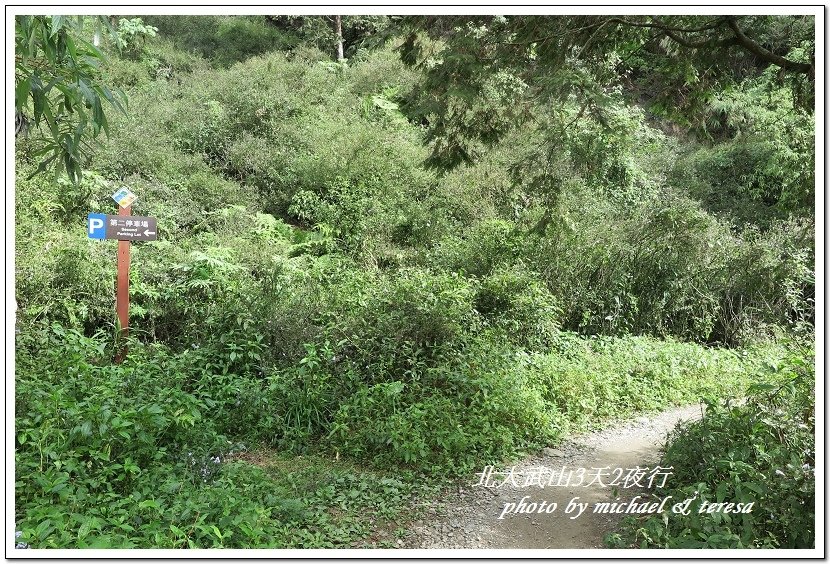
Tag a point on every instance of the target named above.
point(95, 224)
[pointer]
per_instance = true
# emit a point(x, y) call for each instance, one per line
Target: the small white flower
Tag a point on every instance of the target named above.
point(779, 472)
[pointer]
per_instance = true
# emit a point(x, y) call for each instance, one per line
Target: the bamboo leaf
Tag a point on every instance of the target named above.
point(57, 24)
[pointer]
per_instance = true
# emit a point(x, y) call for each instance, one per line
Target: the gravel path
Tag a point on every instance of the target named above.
point(469, 516)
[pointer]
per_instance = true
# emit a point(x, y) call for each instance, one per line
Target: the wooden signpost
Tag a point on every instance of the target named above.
point(122, 293)
point(126, 228)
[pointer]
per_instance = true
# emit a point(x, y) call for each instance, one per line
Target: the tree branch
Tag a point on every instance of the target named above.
point(663, 27)
point(766, 55)
point(694, 44)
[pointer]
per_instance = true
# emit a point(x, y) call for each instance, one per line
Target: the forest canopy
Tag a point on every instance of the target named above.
point(489, 73)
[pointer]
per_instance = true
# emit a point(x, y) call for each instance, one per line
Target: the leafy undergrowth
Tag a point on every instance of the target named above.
point(314, 504)
point(156, 452)
point(760, 453)
point(127, 456)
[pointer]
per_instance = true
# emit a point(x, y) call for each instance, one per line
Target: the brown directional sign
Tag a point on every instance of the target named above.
point(130, 228)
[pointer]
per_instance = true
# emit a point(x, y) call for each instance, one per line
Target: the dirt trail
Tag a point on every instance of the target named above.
point(469, 518)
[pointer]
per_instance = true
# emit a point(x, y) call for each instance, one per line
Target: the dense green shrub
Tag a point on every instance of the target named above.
point(482, 248)
point(486, 403)
point(592, 380)
point(474, 407)
point(654, 270)
point(617, 156)
point(761, 452)
point(221, 39)
point(670, 268)
point(772, 284)
point(306, 146)
point(60, 274)
point(131, 456)
point(764, 167)
point(514, 301)
point(410, 314)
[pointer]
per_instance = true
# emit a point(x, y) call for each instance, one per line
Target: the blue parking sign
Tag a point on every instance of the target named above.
point(96, 224)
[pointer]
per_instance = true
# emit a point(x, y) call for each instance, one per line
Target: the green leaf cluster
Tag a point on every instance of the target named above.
point(57, 86)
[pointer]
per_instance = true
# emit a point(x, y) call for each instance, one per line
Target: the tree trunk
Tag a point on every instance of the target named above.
point(339, 31)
